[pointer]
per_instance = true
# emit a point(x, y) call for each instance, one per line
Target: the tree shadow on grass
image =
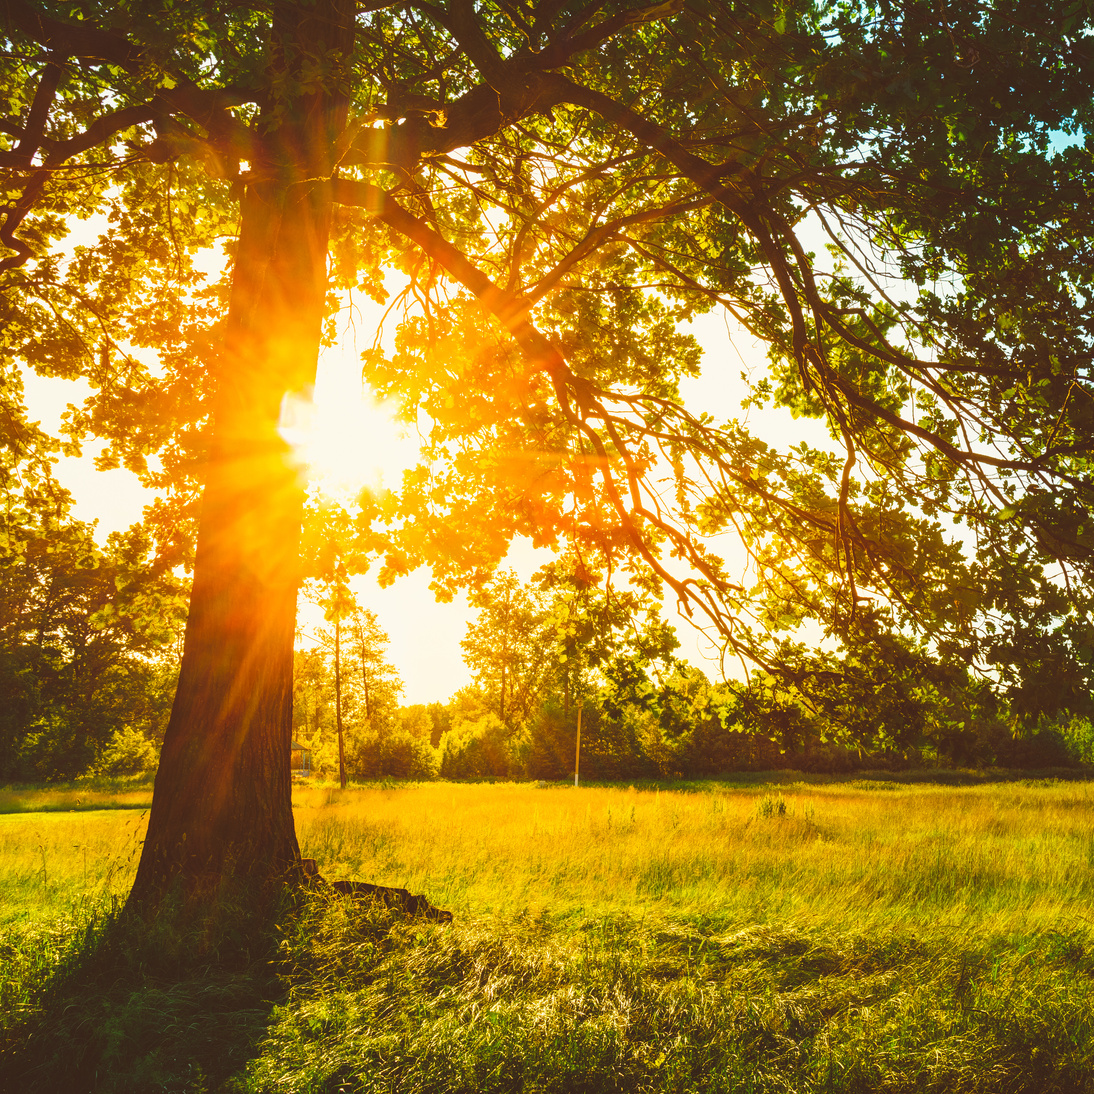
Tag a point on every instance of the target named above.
point(176, 1004)
point(604, 1006)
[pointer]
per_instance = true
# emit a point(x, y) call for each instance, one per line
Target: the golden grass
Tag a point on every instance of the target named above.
point(998, 859)
point(52, 861)
point(67, 799)
point(834, 938)
point(1002, 858)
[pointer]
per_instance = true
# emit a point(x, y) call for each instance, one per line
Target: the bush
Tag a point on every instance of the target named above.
point(396, 753)
point(714, 749)
point(550, 748)
point(1039, 750)
point(477, 749)
point(128, 753)
point(1078, 737)
point(610, 746)
point(52, 750)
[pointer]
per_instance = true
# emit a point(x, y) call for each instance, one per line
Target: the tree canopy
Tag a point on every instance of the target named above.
point(892, 199)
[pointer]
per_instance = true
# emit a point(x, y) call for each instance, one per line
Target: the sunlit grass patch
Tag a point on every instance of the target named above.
point(85, 796)
point(1013, 856)
point(1005, 857)
point(799, 936)
point(53, 862)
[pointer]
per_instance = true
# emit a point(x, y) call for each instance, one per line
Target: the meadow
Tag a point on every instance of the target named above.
point(819, 935)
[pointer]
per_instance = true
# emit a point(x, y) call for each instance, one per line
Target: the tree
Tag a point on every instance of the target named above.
point(380, 683)
point(337, 603)
point(312, 701)
point(510, 647)
point(366, 685)
point(562, 185)
point(416, 721)
point(604, 636)
point(85, 639)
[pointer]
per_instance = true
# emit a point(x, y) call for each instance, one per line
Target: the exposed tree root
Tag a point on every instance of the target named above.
point(402, 900)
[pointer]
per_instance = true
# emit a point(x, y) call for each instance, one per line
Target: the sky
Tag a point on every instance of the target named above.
point(348, 440)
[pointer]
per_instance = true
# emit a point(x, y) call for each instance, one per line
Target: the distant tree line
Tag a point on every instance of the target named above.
point(89, 649)
point(89, 655)
point(544, 651)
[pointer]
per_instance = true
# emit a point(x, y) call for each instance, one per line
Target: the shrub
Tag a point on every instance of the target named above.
point(1048, 748)
point(610, 745)
point(396, 753)
point(550, 748)
point(1078, 738)
point(714, 749)
point(128, 753)
point(479, 748)
point(53, 749)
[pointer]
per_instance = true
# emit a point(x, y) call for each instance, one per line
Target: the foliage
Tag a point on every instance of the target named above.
point(89, 633)
point(542, 643)
point(379, 680)
point(396, 753)
point(382, 738)
point(509, 648)
point(348, 664)
point(611, 748)
point(129, 753)
point(313, 707)
point(1078, 736)
point(417, 721)
point(549, 372)
point(88, 645)
point(477, 749)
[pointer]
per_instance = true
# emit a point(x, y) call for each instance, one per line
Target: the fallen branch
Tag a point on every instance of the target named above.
point(399, 900)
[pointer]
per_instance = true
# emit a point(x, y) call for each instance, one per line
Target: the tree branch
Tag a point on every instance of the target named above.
point(35, 128)
point(83, 40)
point(558, 53)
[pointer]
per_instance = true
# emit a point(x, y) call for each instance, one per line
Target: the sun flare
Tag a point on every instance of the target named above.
point(344, 438)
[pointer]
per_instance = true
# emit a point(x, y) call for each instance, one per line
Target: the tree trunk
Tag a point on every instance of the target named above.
point(221, 807)
point(364, 666)
point(338, 703)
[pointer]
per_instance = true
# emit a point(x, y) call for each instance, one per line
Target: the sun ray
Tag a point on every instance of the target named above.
point(343, 437)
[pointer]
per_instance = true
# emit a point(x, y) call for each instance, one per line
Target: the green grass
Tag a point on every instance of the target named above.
point(995, 858)
point(862, 935)
point(82, 796)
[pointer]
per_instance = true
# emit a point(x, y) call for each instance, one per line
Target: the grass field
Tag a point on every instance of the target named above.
point(767, 936)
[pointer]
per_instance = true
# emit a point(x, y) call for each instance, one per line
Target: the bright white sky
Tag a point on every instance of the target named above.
point(349, 441)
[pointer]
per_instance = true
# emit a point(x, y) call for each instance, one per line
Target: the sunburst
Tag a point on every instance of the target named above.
point(343, 437)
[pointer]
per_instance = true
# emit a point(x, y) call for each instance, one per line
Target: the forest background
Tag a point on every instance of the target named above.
point(988, 662)
point(91, 647)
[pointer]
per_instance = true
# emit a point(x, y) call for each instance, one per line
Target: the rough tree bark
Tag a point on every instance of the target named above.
point(221, 807)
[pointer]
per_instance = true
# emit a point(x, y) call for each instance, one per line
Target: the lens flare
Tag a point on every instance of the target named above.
point(342, 437)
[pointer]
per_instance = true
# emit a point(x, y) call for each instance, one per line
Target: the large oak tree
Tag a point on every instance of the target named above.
point(562, 182)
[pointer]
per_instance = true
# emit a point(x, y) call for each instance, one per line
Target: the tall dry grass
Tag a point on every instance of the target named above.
point(996, 858)
point(56, 863)
point(820, 939)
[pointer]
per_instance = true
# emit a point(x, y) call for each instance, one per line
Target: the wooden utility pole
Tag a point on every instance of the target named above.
point(577, 754)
